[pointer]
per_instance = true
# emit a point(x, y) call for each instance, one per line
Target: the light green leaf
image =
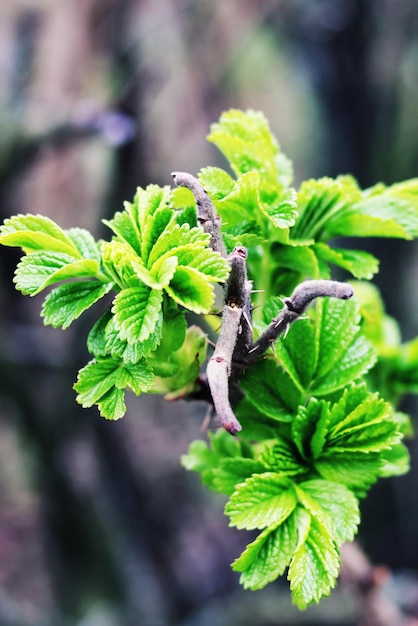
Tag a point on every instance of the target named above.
point(297, 353)
point(191, 289)
point(137, 312)
point(314, 568)
point(262, 500)
point(34, 233)
point(356, 470)
point(216, 182)
point(357, 360)
point(283, 458)
point(333, 505)
point(360, 263)
point(112, 405)
point(231, 472)
point(271, 390)
point(267, 557)
point(85, 243)
point(38, 270)
point(245, 139)
point(67, 302)
point(100, 377)
point(187, 362)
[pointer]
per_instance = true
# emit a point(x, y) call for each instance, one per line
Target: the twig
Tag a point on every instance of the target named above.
point(219, 367)
point(207, 216)
point(294, 307)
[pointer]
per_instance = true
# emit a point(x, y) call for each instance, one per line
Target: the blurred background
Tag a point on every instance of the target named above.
point(99, 524)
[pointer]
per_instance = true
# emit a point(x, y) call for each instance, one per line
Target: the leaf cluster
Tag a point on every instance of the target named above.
point(157, 266)
point(319, 411)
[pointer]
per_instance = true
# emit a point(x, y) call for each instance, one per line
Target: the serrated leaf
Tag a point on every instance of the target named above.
point(34, 233)
point(112, 405)
point(216, 182)
point(96, 340)
point(231, 472)
point(337, 327)
point(309, 428)
point(187, 361)
point(137, 312)
point(125, 229)
point(172, 240)
point(262, 500)
point(282, 457)
point(191, 289)
point(271, 390)
point(38, 270)
point(395, 461)
point(97, 381)
point(119, 348)
point(297, 353)
point(67, 302)
point(333, 505)
point(364, 427)
point(361, 264)
point(245, 139)
point(382, 212)
point(267, 557)
point(356, 470)
point(357, 360)
point(85, 243)
point(314, 568)
point(118, 259)
point(320, 203)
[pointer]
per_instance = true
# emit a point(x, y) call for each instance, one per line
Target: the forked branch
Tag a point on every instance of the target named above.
point(235, 347)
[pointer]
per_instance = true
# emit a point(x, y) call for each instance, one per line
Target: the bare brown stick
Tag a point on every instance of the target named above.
point(207, 216)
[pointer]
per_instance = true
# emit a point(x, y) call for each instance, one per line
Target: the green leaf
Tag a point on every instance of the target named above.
point(315, 564)
point(231, 472)
point(283, 458)
point(320, 203)
point(67, 302)
point(382, 212)
point(262, 500)
point(137, 311)
point(38, 270)
point(191, 289)
point(187, 362)
point(297, 353)
point(361, 264)
point(333, 505)
point(85, 243)
point(356, 470)
point(130, 352)
point(358, 359)
point(98, 380)
point(309, 428)
point(361, 425)
point(271, 390)
point(96, 340)
point(245, 139)
point(34, 233)
point(267, 557)
point(216, 182)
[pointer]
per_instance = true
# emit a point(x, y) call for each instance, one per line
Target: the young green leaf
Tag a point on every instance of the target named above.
point(33, 233)
point(314, 567)
point(267, 557)
point(38, 270)
point(262, 500)
point(67, 302)
point(101, 381)
point(137, 312)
